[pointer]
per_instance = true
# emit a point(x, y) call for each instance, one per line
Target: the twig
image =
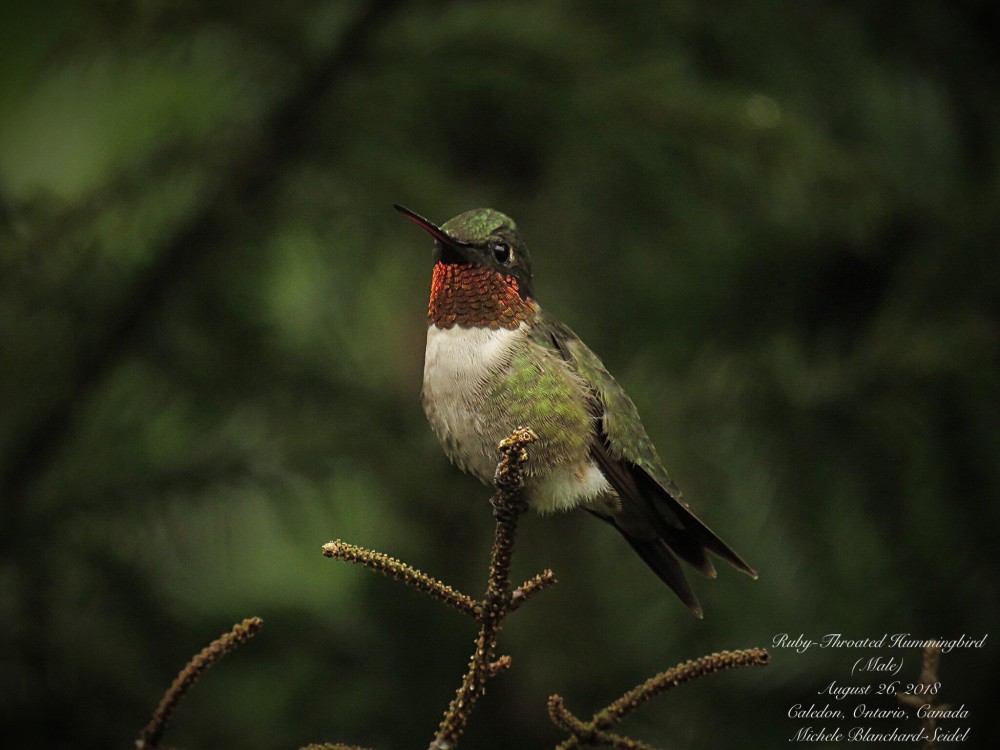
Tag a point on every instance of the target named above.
point(399, 571)
point(499, 599)
point(508, 505)
point(249, 181)
point(149, 738)
point(928, 676)
point(595, 732)
point(532, 586)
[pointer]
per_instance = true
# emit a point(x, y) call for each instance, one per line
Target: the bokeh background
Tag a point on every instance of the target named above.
point(777, 222)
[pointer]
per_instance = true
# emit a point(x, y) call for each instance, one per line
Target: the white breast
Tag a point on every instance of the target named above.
point(457, 362)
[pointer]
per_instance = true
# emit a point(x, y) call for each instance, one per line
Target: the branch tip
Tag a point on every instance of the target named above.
point(513, 454)
point(928, 676)
point(684, 672)
point(149, 738)
point(400, 571)
point(537, 583)
point(595, 732)
point(501, 664)
point(508, 505)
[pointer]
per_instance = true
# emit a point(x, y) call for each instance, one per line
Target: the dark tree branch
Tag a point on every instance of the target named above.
point(150, 737)
point(508, 505)
point(532, 586)
point(249, 184)
point(499, 600)
point(393, 568)
point(928, 676)
point(595, 733)
point(245, 189)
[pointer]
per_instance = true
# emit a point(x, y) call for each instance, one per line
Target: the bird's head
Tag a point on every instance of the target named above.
point(482, 271)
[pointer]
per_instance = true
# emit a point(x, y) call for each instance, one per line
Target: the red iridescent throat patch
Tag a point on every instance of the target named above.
point(473, 297)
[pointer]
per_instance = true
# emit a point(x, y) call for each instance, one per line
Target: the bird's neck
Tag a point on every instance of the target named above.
point(474, 297)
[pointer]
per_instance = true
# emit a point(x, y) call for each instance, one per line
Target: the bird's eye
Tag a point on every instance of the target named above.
point(501, 251)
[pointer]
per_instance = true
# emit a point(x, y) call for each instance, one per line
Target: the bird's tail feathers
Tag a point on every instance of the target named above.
point(684, 532)
point(657, 555)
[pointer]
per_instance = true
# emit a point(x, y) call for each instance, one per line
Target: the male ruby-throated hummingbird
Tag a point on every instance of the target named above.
point(495, 361)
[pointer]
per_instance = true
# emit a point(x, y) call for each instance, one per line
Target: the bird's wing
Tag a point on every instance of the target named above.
point(654, 518)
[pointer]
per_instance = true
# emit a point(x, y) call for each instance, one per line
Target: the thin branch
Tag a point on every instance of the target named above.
point(399, 571)
point(499, 600)
point(928, 676)
point(501, 664)
point(532, 586)
point(563, 718)
point(149, 738)
point(595, 732)
point(508, 505)
point(249, 182)
point(686, 672)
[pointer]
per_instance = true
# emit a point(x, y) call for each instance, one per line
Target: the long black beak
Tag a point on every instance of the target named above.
point(430, 227)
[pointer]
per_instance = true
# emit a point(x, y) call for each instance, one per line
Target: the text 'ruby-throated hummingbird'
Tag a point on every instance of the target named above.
point(495, 361)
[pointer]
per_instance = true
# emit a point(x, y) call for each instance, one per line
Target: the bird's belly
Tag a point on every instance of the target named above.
point(570, 485)
point(458, 364)
point(481, 384)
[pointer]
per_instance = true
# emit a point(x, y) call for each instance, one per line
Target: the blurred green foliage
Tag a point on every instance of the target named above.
point(777, 222)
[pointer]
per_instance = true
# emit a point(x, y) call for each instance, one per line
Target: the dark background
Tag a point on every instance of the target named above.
point(777, 223)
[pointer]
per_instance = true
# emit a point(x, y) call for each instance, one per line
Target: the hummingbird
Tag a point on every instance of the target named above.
point(496, 361)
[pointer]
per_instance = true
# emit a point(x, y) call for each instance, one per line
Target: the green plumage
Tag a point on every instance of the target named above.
point(614, 411)
point(652, 514)
point(535, 392)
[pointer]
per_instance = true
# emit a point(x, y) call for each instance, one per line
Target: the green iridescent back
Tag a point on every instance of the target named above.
point(626, 437)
